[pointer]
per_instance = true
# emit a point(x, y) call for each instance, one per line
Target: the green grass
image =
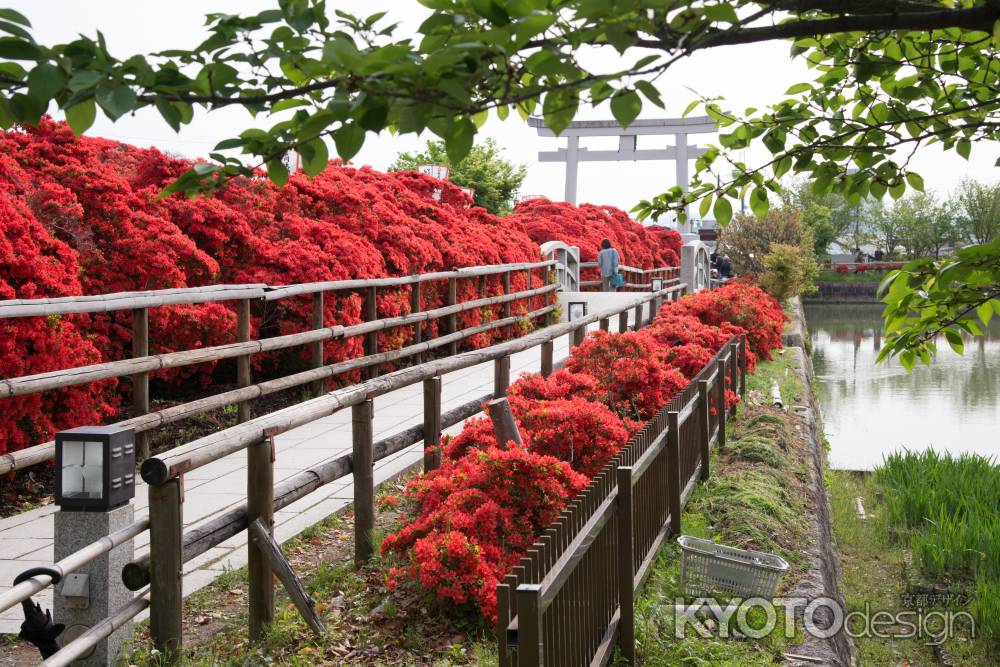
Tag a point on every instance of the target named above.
point(754, 499)
point(880, 572)
point(863, 277)
point(947, 510)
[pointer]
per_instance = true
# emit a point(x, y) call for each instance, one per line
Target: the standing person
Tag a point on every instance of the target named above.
point(725, 267)
point(607, 261)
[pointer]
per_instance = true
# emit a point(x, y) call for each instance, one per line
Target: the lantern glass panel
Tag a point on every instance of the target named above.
point(83, 469)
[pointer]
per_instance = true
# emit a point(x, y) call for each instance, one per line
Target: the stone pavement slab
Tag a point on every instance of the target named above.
point(26, 539)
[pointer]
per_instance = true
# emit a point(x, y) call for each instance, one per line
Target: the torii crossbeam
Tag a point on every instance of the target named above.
point(681, 152)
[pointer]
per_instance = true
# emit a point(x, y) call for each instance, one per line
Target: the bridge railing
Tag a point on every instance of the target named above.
point(540, 282)
point(636, 280)
point(570, 600)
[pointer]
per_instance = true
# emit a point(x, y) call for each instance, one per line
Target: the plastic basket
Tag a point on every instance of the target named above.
point(708, 568)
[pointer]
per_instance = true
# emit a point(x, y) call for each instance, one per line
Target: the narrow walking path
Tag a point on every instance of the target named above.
point(26, 539)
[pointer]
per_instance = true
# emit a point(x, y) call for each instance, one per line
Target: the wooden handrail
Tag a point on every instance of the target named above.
point(158, 469)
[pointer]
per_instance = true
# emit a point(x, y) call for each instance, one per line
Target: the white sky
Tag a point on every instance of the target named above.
point(746, 76)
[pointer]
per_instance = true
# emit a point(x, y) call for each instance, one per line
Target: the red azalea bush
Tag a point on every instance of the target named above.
point(474, 517)
point(82, 215)
point(586, 225)
point(842, 269)
point(456, 544)
point(630, 369)
point(561, 384)
point(741, 304)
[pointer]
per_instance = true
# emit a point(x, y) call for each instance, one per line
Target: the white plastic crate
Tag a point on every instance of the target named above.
point(708, 568)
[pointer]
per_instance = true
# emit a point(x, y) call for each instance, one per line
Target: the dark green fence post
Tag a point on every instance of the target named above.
point(529, 625)
point(674, 471)
point(626, 574)
point(704, 426)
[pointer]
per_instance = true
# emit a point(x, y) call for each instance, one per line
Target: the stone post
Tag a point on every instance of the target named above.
point(104, 592)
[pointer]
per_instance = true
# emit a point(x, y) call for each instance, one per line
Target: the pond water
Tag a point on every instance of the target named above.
point(872, 409)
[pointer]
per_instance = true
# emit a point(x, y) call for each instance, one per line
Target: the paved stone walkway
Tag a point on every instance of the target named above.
point(26, 539)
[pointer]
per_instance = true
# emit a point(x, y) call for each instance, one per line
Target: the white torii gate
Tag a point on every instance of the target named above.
point(573, 154)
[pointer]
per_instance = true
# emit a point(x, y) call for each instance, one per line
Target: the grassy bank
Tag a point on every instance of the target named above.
point(756, 498)
point(851, 277)
point(925, 549)
point(367, 623)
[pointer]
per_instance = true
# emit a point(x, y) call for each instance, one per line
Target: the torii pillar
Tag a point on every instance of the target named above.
point(681, 152)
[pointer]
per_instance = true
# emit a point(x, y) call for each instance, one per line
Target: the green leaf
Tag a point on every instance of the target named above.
point(349, 139)
point(690, 107)
point(915, 180)
point(559, 107)
point(81, 116)
point(170, 113)
point(458, 143)
point(955, 340)
point(964, 148)
point(277, 172)
point(798, 88)
point(315, 156)
point(706, 204)
point(14, 16)
point(651, 93)
point(625, 107)
point(759, 203)
point(45, 81)
point(116, 101)
point(17, 48)
point(985, 312)
point(723, 211)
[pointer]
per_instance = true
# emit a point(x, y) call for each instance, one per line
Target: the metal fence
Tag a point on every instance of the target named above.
point(570, 601)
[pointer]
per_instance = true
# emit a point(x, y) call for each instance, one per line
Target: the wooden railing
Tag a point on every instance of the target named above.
point(138, 368)
point(636, 280)
point(170, 546)
point(571, 599)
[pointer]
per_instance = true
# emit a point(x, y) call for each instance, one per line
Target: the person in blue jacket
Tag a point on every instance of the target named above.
point(608, 260)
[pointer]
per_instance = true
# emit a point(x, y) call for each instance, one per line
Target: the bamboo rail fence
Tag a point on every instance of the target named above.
point(139, 367)
point(170, 547)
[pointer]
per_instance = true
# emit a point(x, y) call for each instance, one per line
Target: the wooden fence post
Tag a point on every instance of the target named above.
point(432, 423)
point(638, 318)
point(501, 376)
point(605, 324)
point(140, 381)
point(418, 332)
point(452, 320)
point(529, 625)
point(626, 574)
point(364, 481)
point(506, 290)
point(371, 338)
point(547, 362)
point(652, 311)
point(503, 620)
point(243, 362)
point(704, 424)
point(743, 364)
point(674, 471)
point(260, 506)
point(579, 334)
point(504, 426)
point(734, 354)
point(720, 405)
point(319, 386)
point(166, 541)
point(623, 321)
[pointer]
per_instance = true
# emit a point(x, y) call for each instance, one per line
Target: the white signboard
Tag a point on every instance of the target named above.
point(438, 171)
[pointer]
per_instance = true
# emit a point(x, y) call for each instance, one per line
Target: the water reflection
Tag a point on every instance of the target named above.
point(871, 409)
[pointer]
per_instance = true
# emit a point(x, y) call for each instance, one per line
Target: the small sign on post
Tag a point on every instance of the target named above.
point(438, 171)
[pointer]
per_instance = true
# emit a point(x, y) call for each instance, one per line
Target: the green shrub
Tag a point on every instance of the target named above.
point(789, 270)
